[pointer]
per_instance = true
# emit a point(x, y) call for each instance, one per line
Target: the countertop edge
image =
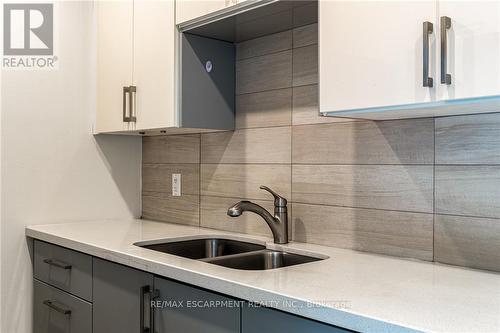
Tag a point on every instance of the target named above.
point(324, 314)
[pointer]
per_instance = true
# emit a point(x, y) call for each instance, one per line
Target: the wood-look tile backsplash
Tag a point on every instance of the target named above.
point(420, 188)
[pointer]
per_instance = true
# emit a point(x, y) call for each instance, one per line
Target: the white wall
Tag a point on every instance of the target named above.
point(52, 168)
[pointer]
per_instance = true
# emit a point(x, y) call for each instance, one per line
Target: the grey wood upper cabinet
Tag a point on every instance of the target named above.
point(182, 308)
point(120, 295)
point(264, 320)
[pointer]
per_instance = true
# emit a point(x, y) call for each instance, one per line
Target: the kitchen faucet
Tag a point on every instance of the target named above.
point(278, 223)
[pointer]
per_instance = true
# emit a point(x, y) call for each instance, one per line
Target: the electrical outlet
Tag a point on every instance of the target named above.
point(176, 184)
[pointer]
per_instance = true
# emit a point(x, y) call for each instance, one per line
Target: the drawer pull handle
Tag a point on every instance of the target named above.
point(57, 263)
point(50, 304)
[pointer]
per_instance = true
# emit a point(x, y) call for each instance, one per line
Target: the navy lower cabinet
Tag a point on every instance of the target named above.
point(121, 295)
point(180, 308)
point(266, 320)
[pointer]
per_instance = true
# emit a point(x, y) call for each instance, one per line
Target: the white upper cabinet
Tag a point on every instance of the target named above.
point(114, 63)
point(187, 10)
point(135, 66)
point(473, 48)
point(376, 58)
point(144, 88)
point(371, 53)
point(154, 60)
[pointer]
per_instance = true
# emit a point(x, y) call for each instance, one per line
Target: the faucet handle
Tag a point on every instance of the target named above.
point(279, 201)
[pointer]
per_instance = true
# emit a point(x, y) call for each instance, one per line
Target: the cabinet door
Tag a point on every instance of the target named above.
point(189, 309)
point(154, 63)
point(371, 53)
point(190, 9)
point(55, 311)
point(473, 43)
point(264, 320)
point(114, 62)
point(117, 298)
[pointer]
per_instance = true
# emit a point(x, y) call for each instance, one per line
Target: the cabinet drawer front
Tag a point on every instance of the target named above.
point(262, 320)
point(57, 311)
point(65, 269)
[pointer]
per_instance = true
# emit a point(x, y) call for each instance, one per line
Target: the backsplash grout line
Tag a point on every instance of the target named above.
point(434, 194)
point(249, 163)
point(357, 207)
point(318, 164)
point(247, 128)
point(291, 223)
point(313, 204)
point(145, 193)
point(358, 122)
point(169, 163)
point(468, 165)
point(199, 186)
point(270, 90)
point(366, 164)
point(250, 128)
point(234, 197)
point(263, 55)
point(470, 216)
point(288, 87)
point(274, 52)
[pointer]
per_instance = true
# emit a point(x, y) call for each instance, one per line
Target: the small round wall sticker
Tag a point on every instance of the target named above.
point(208, 66)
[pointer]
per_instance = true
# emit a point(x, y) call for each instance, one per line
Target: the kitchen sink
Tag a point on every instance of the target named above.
point(261, 260)
point(204, 248)
point(230, 253)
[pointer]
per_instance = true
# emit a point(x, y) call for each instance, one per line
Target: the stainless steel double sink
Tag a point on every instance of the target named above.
point(230, 253)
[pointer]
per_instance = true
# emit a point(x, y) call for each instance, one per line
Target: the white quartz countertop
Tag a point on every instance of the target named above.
point(362, 292)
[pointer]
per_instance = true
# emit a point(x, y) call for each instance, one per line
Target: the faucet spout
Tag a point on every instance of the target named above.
point(277, 223)
point(238, 208)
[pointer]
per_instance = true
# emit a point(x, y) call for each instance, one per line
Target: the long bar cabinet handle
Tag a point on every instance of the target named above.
point(445, 25)
point(51, 305)
point(57, 263)
point(428, 30)
point(126, 117)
